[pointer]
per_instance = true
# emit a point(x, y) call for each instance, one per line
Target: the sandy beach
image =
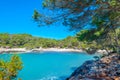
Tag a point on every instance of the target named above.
point(39, 50)
point(2, 50)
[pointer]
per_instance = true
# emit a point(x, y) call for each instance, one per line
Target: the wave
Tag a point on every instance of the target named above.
point(50, 78)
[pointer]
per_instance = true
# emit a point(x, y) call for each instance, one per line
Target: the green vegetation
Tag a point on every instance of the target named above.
point(9, 69)
point(102, 15)
point(80, 41)
point(97, 41)
point(28, 41)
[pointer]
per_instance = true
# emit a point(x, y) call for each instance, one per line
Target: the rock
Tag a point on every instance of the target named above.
point(102, 74)
point(106, 68)
point(117, 78)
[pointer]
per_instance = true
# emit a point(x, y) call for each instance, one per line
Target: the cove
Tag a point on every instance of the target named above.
point(49, 65)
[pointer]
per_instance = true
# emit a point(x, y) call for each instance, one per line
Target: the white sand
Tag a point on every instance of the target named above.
point(39, 50)
point(47, 49)
point(13, 50)
point(62, 50)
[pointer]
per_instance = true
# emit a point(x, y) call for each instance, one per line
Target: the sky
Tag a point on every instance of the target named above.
point(16, 17)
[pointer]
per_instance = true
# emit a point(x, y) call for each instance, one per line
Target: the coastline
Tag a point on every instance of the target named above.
point(105, 68)
point(2, 50)
point(24, 50)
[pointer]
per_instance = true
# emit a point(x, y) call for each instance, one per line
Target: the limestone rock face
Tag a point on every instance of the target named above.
point(106, 68)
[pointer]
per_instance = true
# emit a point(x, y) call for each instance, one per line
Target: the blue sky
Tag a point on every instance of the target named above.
point(16, 17)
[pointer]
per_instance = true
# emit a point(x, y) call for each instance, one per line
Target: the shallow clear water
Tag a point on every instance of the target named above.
point(49, 65)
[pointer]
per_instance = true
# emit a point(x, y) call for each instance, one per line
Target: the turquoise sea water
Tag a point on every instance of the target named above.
point(49, 65)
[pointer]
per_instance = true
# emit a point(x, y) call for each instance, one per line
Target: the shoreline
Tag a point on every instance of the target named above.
point(105, 68)
point(2, 50)
point(24, 50)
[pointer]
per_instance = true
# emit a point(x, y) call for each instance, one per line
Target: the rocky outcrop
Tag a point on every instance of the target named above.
point(106, 68)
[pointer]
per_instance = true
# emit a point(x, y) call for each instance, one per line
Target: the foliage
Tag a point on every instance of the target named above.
point(107, 42)
point(73, 13)
point(28, 41)
point(104, 15)
point(9, 69)
point(79, 13)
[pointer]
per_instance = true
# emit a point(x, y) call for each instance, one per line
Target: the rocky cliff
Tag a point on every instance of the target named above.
point(106, 68)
